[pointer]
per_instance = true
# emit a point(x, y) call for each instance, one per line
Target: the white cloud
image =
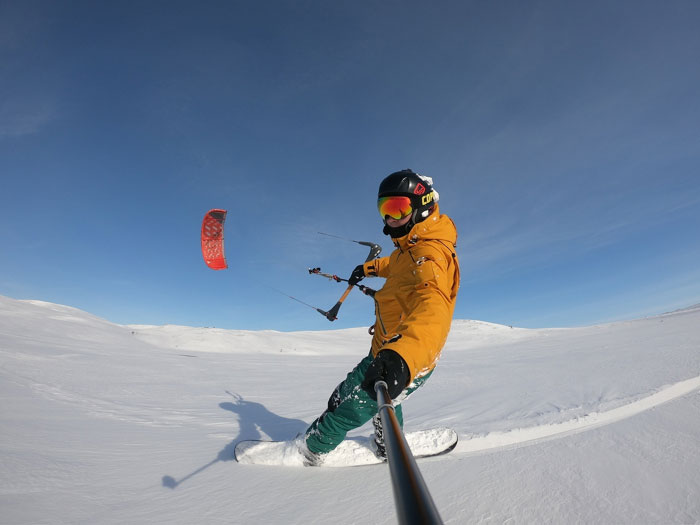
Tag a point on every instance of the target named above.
point(24, 117)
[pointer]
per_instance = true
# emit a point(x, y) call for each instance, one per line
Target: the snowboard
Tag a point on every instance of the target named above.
point(352, 452)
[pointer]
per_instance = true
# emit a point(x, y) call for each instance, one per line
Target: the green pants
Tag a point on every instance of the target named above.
point(350, 407)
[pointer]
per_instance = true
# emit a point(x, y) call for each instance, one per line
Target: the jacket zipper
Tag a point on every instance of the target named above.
point(379, 318)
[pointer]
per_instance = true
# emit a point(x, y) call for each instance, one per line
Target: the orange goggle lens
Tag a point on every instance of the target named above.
point(394, 207)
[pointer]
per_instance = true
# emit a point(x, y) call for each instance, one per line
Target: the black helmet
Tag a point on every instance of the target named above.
point(409, 184)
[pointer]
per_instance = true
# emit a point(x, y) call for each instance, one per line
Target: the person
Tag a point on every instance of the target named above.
point(413, 312)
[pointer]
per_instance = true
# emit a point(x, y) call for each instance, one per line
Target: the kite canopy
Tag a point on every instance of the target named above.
point(213, 239)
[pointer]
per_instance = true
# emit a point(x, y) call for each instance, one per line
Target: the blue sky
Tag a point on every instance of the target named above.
point(564, 139)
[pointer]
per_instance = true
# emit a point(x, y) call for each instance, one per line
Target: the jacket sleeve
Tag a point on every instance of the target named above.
point(423, 332)
point(377, 267)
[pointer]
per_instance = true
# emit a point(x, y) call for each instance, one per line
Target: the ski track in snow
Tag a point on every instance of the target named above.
point(474, 444)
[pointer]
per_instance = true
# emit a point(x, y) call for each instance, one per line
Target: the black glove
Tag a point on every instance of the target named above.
point(389, 367)
point(357, 275)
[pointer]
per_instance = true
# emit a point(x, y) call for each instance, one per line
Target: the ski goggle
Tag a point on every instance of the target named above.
point(396, 207)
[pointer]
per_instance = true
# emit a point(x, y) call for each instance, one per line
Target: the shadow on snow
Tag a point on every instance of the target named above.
point(255, 422)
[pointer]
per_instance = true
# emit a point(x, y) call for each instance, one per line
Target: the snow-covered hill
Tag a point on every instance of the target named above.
point(102, 423)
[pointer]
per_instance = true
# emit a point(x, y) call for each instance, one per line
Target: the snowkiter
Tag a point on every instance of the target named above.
point(413, 311)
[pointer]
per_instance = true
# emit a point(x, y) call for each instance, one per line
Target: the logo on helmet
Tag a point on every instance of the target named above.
point(420, 189)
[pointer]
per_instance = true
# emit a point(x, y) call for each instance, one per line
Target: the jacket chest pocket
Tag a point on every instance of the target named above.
point(414, 275)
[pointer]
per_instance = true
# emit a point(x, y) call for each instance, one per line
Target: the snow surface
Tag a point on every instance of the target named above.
point(103, 423)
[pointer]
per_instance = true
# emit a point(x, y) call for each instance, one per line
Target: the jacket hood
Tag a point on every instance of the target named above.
point(435, 227)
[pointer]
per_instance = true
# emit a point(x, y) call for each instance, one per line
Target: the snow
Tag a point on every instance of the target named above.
point(103, 423)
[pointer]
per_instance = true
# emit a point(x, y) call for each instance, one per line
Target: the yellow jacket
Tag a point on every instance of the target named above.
point(414, 307)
